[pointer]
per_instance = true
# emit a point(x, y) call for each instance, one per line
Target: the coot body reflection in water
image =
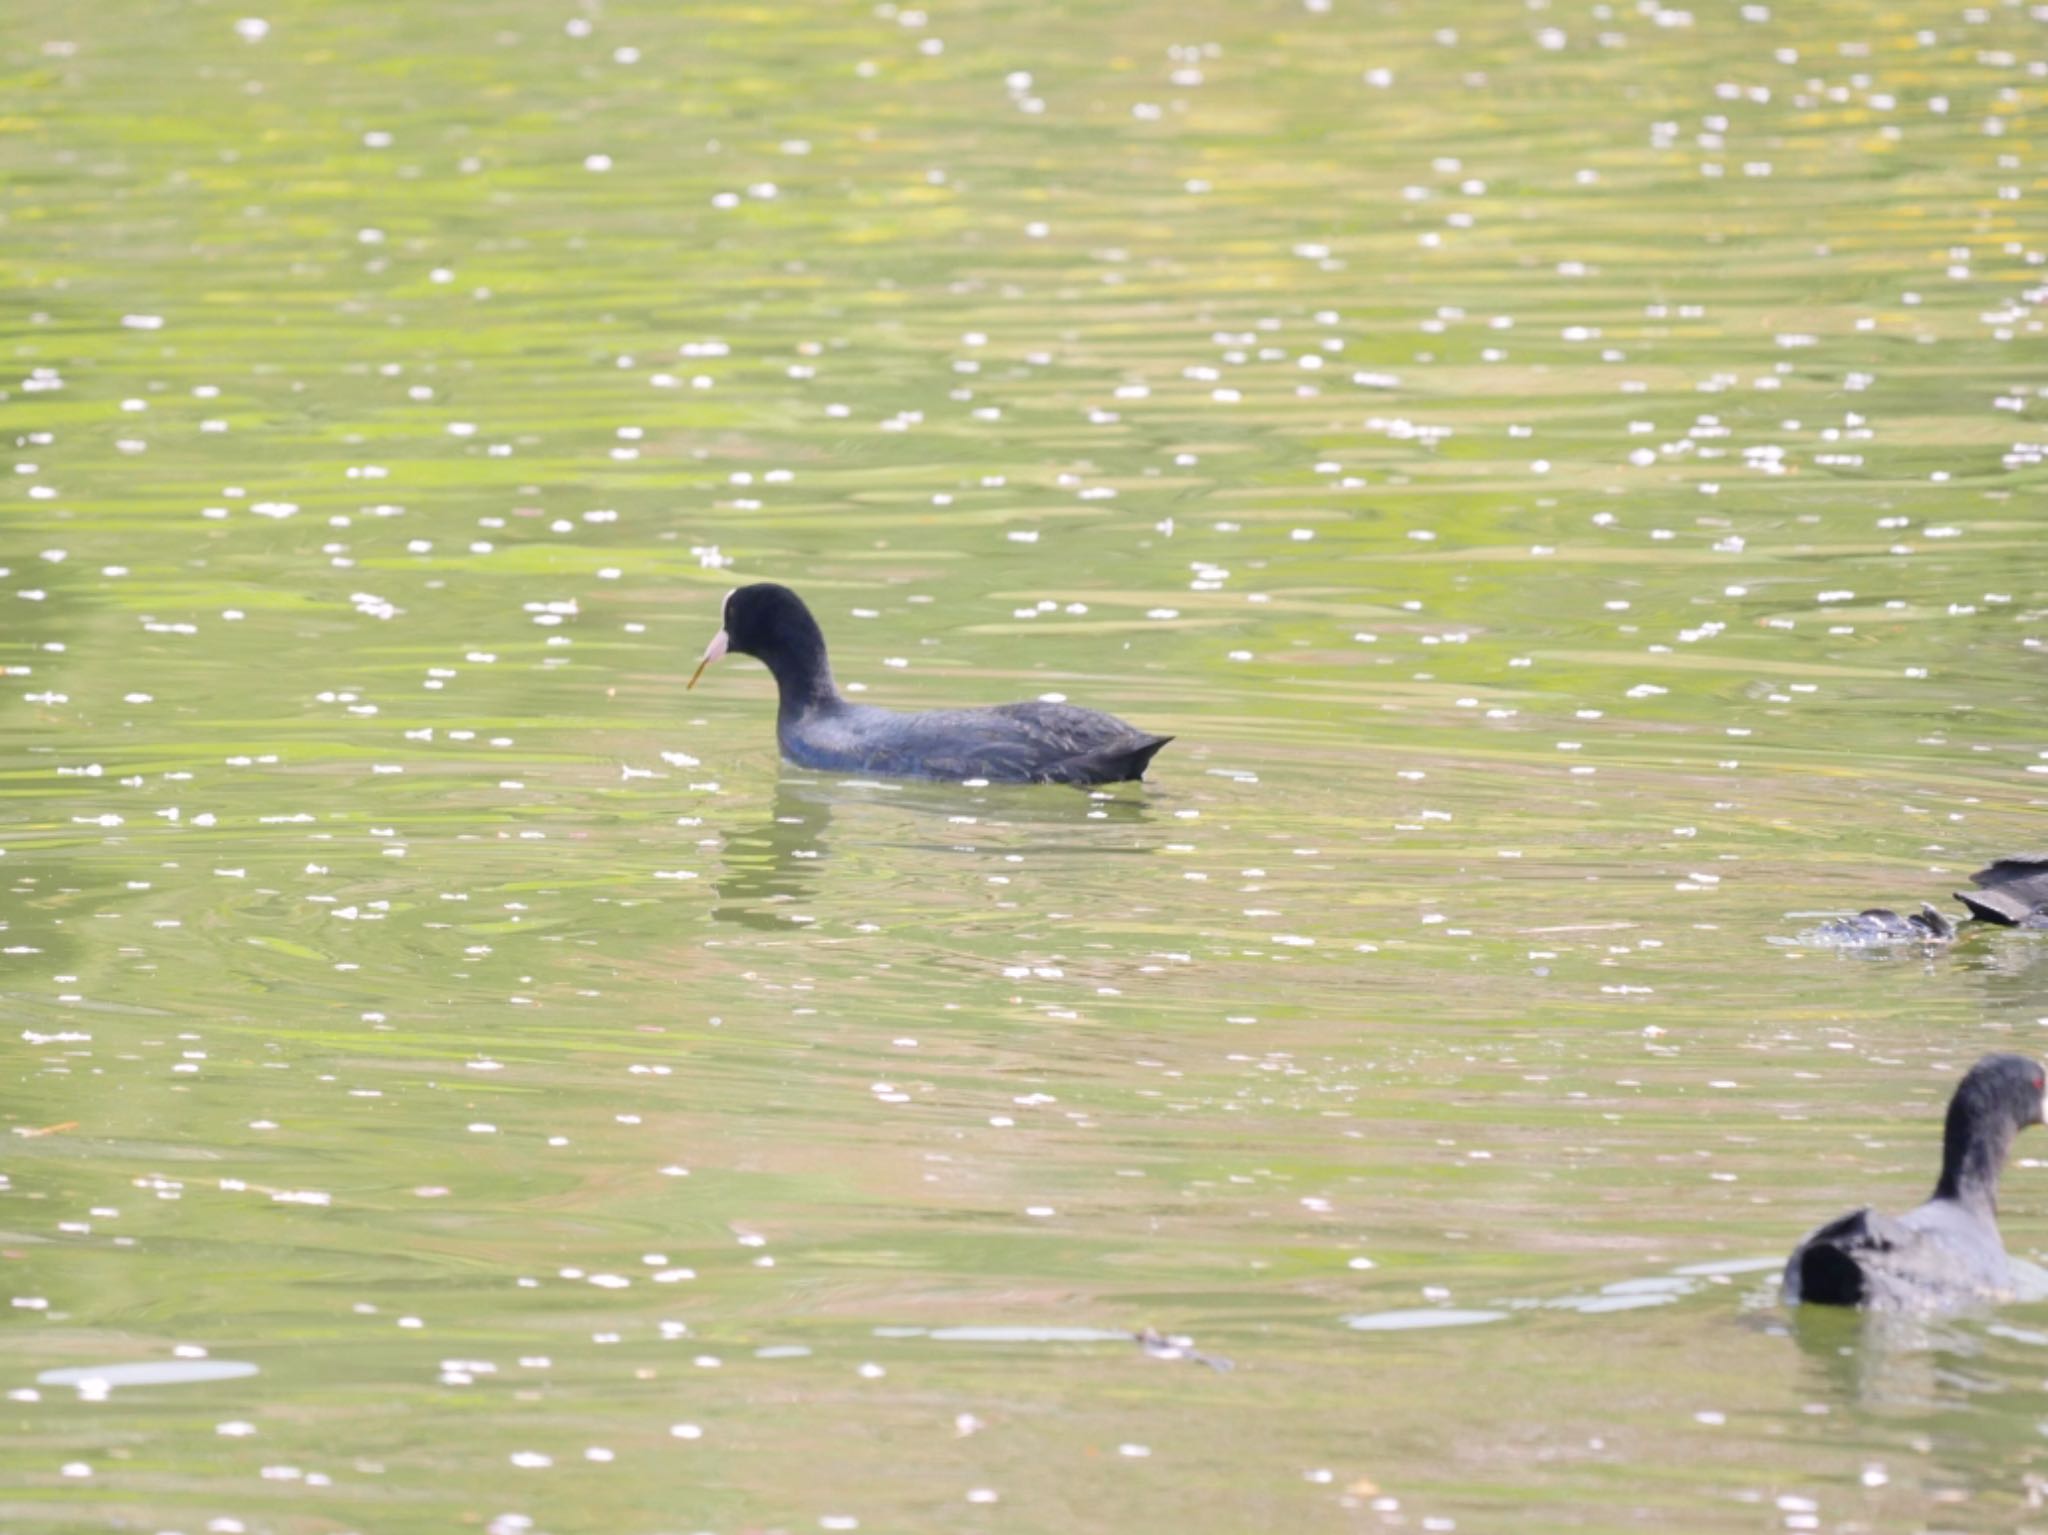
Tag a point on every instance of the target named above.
point(1946, 1253)
point(1011, 743)
point(1881, 925)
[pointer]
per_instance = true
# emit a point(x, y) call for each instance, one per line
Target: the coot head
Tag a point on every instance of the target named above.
point(771, 624)
point(2007, 1087)
point(1999, 1097)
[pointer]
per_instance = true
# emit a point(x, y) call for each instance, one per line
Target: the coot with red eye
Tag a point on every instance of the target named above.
point(1012, 743)
point(1946, 1253)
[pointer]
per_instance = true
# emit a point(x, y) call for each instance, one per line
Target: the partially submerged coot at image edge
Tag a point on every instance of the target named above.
point(1036, 742)
point(2013, 892)
point(1944, 1254)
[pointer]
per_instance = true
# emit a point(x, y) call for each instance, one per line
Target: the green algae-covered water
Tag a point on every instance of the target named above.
point(1570, 477)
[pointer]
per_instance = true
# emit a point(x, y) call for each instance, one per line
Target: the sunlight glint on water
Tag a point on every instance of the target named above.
point(1567, 477)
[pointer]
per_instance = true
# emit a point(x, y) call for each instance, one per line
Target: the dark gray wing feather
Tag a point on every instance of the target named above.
point(1999, 906)
point(1938, 1257)
point(2013, 892)
point(1012, 743)
point(2014, 887)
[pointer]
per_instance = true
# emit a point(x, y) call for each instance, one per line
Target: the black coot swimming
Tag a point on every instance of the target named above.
point(2012, 892)
point(1947, 1252)
point(1011, 743)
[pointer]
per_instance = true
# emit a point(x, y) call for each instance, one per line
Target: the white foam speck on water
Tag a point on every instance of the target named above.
point(1421, 1319)
point(149, 1372)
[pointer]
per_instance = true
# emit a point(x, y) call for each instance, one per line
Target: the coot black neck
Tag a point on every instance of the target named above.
point(1974, 1145)
point(796, 657)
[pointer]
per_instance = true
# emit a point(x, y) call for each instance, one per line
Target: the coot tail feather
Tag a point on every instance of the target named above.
point(1118, 764)
point(1823, 1273)
point(2015, 892)
point(2001, 907)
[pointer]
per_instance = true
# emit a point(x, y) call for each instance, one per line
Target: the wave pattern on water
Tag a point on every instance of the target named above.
point(1565, 477)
